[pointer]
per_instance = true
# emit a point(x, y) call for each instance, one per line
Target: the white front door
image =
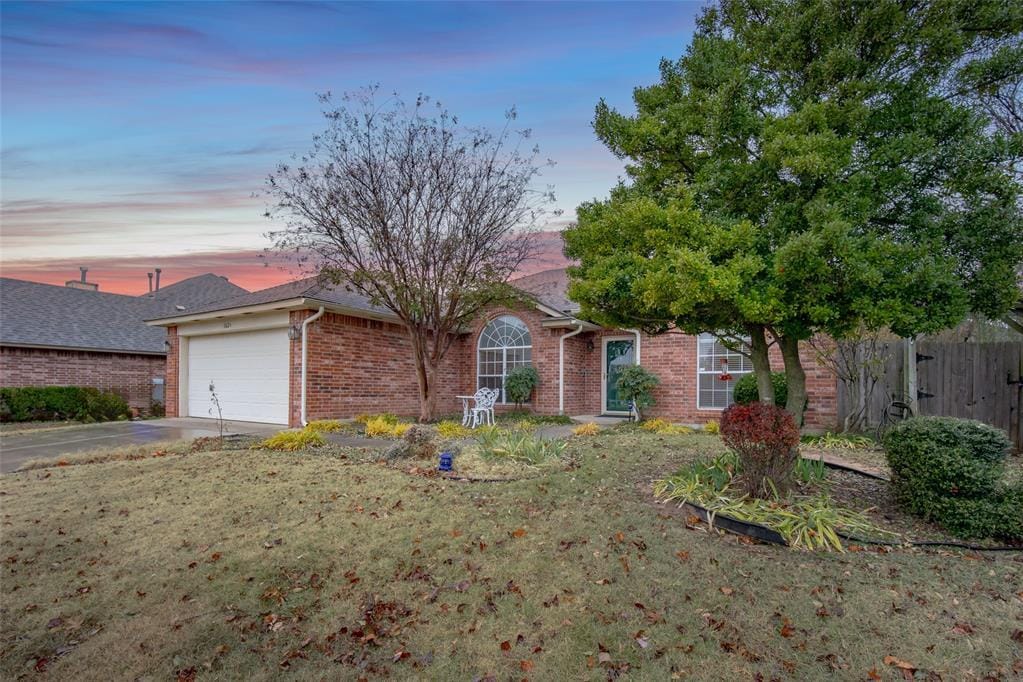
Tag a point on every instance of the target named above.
point(249, 371)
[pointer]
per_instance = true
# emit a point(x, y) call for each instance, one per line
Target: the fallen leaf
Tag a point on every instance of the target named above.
point(519, 532)
point(505, 645)
point(891, 660)
point(525, 666)
point(727, 591)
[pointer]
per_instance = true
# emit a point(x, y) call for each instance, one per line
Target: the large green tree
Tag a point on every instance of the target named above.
point(812, 166)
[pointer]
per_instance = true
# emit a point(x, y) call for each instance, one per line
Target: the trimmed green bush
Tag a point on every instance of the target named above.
point(951, 471)
point(636, 384)
point(520, 383)
point(44, 403)
point(745, 390)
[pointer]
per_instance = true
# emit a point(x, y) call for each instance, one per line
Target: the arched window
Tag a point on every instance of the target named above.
point(504, 344)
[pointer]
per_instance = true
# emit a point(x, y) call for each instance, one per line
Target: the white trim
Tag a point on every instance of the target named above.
point(603, 372)
point(700, 373)
point(182, 376)
point(249, 323)
point(504, 353)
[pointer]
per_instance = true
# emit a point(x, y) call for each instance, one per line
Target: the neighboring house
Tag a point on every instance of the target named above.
point(75, 335)
point(359, 360)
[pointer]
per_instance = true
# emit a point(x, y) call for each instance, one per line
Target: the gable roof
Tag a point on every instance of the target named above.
point(550, 287)
point(306, 292)
point(49, 316)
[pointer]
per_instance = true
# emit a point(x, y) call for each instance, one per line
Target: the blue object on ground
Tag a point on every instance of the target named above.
point(445, 462)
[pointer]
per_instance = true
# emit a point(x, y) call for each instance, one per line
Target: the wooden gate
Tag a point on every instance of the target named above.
point(982, 381)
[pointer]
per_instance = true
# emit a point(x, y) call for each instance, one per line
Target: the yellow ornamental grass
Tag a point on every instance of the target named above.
point(290, 441)
point(449, 428)
point(325, 425)
point(382, 427)
point(588, 429)
point(712, 427)
point(664, 427)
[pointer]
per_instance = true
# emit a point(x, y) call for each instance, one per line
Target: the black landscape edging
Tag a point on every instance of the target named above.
point(737, 526)
point(764, 534)
point(846, 467)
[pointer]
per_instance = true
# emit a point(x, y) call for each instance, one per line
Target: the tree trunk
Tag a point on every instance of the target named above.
point(761, 363)
point(795, 378)
point(428, 401)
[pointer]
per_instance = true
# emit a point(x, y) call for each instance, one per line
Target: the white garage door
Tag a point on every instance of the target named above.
point(249, 370)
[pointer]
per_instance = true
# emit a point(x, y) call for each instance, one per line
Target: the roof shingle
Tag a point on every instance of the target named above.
point(45, 315)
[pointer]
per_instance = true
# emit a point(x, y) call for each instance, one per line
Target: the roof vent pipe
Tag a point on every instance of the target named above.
point(157, 279)
point(150, 275)
point(83, 271)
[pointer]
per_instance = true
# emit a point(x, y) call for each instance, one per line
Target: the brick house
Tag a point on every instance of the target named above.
point(76, 335)
point(358, 359)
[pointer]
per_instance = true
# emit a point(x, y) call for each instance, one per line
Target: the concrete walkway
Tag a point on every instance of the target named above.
point(18, 448)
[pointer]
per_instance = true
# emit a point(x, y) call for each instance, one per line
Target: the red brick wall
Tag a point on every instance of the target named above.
point(130, 376)
point(364, 366)
point(171, 377)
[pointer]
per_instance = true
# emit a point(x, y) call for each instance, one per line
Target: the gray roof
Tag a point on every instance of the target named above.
point(550, 287)
point(45, 315)
point(310, 287)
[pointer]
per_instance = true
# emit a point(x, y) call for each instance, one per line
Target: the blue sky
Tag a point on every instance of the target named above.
point(141, 130)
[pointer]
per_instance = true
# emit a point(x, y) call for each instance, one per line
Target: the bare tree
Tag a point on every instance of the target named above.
point(425, 217)
point(858, 362)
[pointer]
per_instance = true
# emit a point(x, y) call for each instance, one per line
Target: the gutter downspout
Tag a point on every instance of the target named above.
point(305, 356)
point(561, 365)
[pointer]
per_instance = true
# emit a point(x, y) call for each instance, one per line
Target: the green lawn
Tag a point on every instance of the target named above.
point(254, 565)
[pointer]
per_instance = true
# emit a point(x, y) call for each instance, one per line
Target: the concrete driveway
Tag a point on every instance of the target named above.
point(18, 448)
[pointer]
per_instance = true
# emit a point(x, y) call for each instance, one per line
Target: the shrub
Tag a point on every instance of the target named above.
point(519, 447)
point(588, 429)
point(449, 428)
point(326, 425)
point(418, 440)
point(636, 384)
point(520, 383)
point(951, 471)
point(745, 390)
point(712, 427)
point(290, 441)
point(765, 438)
point(103, 406)
point(35, 403)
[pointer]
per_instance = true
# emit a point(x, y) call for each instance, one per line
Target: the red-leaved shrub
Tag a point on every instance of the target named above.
point(765, 437)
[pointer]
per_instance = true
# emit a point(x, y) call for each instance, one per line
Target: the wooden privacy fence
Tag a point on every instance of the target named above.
point(982, 381)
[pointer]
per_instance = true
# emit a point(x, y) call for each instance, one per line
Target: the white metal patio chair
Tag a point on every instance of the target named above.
point(482, 411)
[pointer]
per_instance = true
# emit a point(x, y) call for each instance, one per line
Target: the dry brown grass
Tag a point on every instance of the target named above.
point(263, 565)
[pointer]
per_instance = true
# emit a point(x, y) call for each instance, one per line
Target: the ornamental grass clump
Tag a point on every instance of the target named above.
point(290, 441)
point(588, 429)
point(326, 425)
point(664, 427)
point(517, 447)
point(766, 439)
point(811, 522)
point(451, 429)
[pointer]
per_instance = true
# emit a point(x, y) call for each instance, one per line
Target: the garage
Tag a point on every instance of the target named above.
point(249, 370)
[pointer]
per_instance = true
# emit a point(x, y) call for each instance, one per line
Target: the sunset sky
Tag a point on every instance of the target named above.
point(135, 135)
